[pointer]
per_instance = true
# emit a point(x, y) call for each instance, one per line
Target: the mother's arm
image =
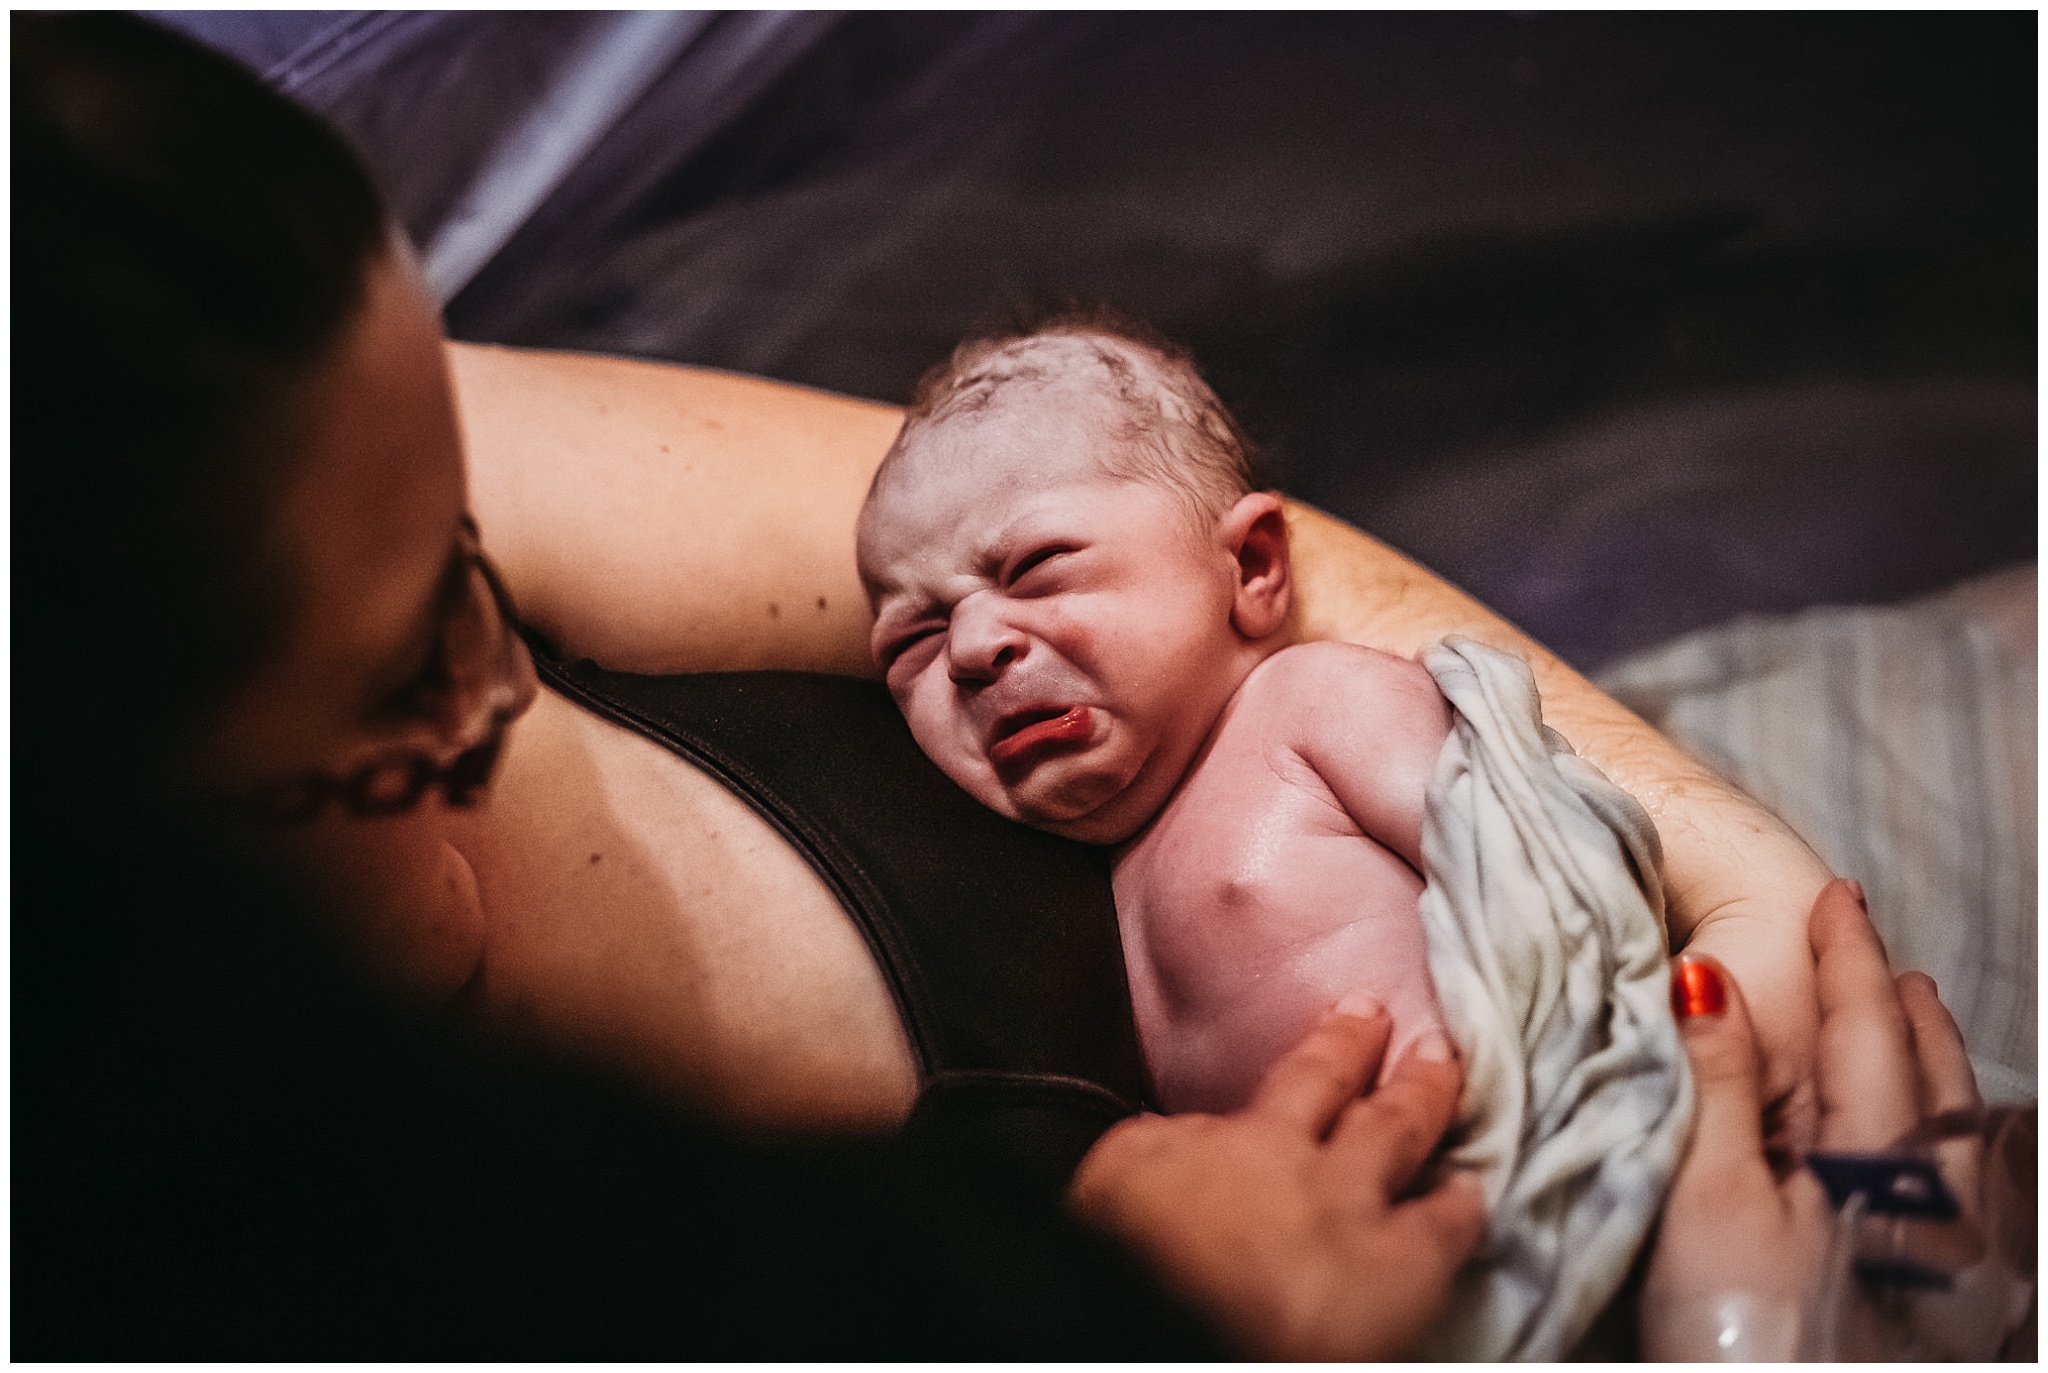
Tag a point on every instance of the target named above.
point(672, 519)
point(661, 518)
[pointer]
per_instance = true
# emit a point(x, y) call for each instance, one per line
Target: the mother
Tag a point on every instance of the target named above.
point(351, 664)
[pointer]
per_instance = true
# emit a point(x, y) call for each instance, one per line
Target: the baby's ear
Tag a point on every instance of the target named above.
point(1255, 532)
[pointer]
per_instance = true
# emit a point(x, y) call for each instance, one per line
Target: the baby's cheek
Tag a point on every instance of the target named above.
point(1074, 630)
point(1136, 666)
point(937, 727)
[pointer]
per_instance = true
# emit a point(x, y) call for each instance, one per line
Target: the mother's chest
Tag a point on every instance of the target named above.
point(640, 912)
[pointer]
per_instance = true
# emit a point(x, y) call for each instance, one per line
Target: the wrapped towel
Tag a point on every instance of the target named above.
point(1544, 912)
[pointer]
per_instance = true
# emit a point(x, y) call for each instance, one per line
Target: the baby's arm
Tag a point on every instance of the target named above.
point(1371, 726)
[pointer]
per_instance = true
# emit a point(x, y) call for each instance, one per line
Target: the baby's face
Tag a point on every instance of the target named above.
point(1059, 639)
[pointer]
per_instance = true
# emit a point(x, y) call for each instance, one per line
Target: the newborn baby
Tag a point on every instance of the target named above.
point(1081, 602)
point(1081, 605)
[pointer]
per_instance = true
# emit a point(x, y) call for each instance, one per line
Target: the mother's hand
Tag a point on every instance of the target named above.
point(1740, 1253)
point(1289, 1221)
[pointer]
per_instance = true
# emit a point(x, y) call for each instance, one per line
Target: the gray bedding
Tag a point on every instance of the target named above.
point(1900, 741)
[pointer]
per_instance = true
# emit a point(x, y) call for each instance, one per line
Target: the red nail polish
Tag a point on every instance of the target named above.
point(1696, 990)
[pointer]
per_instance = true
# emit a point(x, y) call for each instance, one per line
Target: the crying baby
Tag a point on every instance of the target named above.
point(1081, 602)
point(1081, 605)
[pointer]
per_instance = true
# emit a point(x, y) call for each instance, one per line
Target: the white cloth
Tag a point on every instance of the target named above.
point(1544, 912)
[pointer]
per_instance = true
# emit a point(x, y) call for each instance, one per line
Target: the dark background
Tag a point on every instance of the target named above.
point(1626, 323)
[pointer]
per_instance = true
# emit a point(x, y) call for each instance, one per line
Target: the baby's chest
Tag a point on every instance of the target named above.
point(1254, 850)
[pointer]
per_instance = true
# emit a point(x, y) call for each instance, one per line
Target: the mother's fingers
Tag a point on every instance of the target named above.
point(1725, 1160)
point(1310, 1085)
point(1947, 1082)
point(1383, 1139)
point(1448, 1222)
point(1433, 1234)
point(1865, 1066)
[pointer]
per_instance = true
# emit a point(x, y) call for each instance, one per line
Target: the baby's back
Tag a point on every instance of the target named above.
point(1283, 873)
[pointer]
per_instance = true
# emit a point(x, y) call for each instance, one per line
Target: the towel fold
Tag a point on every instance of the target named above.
point(1544, 912)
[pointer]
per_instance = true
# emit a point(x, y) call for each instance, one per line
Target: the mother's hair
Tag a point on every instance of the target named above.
point(188, 246)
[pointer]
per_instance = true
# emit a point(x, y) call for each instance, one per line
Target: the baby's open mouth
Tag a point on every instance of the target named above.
point(1030, 730)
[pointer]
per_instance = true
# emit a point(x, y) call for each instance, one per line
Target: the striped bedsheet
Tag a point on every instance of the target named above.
point(1900, 742)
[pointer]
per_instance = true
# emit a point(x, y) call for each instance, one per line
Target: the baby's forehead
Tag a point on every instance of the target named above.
point(1031, 416)
point(1034, 445)
point(1061, 368)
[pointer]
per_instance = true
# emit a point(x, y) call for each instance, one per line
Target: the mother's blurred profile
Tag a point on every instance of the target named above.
point(267, 667)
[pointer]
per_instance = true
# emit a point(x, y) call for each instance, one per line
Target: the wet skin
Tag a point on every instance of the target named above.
point(1082, 654)
point(1283, 874)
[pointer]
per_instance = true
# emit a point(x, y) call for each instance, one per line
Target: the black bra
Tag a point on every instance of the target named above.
point(998, 942)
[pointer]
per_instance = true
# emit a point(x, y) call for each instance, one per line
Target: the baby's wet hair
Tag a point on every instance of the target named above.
point(1171, 429)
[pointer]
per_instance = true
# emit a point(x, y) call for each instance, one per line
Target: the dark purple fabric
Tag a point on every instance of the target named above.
point(1624, 322)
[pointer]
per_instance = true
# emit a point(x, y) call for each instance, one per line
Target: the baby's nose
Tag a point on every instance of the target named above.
point(981, 641)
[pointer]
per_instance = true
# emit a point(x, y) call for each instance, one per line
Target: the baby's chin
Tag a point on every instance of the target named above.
point(1088, 806)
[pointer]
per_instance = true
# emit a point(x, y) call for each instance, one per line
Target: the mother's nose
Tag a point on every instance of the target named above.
point(981, 640)
point(485, 698)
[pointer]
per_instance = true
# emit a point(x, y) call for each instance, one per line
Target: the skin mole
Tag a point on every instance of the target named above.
point(774, 610)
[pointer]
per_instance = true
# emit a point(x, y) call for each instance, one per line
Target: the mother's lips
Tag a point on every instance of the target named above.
point(1030, 730)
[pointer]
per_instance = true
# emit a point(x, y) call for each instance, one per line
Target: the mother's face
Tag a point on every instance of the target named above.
point(398, 671)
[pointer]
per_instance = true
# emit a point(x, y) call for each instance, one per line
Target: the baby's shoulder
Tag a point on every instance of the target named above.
point(1311, 698)
point(1314, 671)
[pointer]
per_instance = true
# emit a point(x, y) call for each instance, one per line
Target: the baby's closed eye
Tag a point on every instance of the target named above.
point(1029, 574)
point(900, 630)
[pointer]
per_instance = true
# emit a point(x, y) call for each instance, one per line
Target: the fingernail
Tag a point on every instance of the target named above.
point(1856, 890)
point(1434, 1047)
point(1361, 1005)
point(1696, 989)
